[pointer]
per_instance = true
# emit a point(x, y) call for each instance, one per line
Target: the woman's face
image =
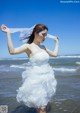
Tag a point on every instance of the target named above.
point(41, 35)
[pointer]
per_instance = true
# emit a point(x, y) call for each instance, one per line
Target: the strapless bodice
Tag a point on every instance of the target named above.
point(40, 58)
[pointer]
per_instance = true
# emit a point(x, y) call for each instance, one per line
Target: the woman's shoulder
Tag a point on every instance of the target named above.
point(26, 45)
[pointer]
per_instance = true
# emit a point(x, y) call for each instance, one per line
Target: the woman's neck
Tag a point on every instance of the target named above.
point(37, 43)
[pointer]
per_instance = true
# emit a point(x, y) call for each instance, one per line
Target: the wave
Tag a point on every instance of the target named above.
point(4, 68)
point(19, 58)
point(78, 63)
point(17, 66)
point(14, 58)
point(64, 69)
point(68, 56)
point(23, 66)
point(24, 58)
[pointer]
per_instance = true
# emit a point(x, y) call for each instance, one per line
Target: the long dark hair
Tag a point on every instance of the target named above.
point(38, 28)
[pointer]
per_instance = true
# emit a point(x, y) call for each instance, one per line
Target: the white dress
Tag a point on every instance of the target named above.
point(39, 83)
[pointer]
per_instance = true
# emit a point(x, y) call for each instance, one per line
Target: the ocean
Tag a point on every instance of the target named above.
point(67, 73)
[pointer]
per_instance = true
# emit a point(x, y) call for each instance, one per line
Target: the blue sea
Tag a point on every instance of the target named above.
point(67, 73)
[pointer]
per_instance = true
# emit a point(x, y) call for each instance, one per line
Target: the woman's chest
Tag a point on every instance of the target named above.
point(34, 49)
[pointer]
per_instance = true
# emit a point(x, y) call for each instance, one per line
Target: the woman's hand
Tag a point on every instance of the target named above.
point(56, 39)
point(5, 29)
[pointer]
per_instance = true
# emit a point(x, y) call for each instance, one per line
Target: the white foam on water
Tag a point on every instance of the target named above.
point(78, 63)
point(64, 69)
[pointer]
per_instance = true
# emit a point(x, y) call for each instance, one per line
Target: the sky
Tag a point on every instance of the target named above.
point(62, 17)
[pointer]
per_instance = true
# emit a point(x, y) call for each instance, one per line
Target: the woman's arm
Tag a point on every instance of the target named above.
point(11, 48)
point(54, 53)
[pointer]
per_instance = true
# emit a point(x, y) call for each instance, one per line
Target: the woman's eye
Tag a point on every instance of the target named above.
point(44, 34)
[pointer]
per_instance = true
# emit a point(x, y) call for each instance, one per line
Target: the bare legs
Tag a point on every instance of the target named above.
point(42, 110)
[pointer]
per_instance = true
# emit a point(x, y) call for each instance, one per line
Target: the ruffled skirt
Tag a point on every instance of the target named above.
point(39, 86)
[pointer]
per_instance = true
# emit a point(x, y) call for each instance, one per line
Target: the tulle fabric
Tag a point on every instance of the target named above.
point(39, 83)
point(24, 33)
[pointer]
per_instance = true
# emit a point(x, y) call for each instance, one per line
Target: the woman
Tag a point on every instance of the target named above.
point(39, 83)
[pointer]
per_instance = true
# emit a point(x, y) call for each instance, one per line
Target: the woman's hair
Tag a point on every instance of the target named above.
point(38, 28)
